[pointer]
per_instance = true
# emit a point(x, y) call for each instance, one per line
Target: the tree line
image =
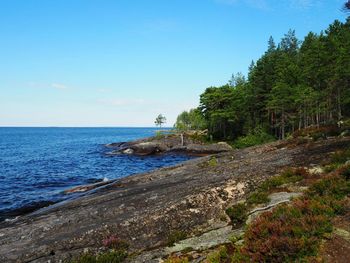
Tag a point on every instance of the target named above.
point(293, 85)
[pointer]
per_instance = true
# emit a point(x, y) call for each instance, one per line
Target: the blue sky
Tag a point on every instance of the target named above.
point(122, 62)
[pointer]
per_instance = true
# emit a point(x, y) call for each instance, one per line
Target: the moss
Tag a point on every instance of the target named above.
point(213, 162)
point(175, 237)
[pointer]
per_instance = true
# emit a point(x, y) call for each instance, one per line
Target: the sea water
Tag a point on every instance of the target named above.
point(38, 164)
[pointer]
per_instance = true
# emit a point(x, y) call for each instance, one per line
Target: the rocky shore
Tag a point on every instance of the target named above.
point(180, 143)
point(145, 210)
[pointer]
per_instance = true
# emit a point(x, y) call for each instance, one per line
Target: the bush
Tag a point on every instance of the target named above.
point(293, 232)
point(175, 237)
point(318, 132)
point(107, 257)
point(340, 157)
point(258, 136)
point(115, 243)
point(237, 214)
point(287, 176)
point(345, 172)
point(334, 187)
point(176, 259)
point(289, 233)
point(218, 256)
point(258, 197)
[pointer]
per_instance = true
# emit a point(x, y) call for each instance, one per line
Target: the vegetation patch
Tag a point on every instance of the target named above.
point(260, 196)
point(294, 232)
point(258, 136)
point(220, 255)
point(213, 162)
point(106, 257)
point(237, 214)
point(337, 159)
point(177, 259)
point(175, 237)
point(117, 252)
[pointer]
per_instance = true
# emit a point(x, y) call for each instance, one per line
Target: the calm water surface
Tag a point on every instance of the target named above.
point(37, 164)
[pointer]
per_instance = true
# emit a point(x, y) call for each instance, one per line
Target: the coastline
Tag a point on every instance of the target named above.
point(144, 209)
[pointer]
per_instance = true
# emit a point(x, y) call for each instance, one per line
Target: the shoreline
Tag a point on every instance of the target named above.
point(144, 209)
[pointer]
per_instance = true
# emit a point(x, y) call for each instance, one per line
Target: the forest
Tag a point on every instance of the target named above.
point(293, 85)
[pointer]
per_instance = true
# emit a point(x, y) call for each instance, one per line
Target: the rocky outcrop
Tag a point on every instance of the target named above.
point(168, 143)
point(145, 209)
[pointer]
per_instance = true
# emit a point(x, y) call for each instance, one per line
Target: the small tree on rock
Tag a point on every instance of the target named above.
point(160, 120)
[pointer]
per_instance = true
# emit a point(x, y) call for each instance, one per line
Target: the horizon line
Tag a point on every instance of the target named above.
point(148, 127)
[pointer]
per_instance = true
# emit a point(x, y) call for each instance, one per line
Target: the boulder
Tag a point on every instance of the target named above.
point(208, 148)
point(148, 148)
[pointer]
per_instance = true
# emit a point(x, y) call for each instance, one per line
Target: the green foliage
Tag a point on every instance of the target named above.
point(258, 197)
point(213, 162)
point(293, 233)
point(218, 256)
point(160, 120)
point(237, 214)
point(176, 259)
point(258, 136)
point(175, 237)
point(294, 85)
point(340, 157)
point(190, 120)
point(113, 256)
point(345, 172)
point(335, 187)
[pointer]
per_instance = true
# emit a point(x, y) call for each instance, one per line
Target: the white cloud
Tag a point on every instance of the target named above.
point(59, 86)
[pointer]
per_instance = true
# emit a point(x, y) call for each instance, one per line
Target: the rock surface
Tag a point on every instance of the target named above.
point(144, 209)
point(168, 143)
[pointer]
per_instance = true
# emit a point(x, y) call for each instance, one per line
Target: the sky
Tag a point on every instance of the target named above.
point(92, 63)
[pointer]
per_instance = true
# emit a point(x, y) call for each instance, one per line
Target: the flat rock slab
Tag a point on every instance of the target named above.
point(207, 240)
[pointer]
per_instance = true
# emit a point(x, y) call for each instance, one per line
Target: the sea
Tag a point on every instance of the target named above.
point(38, 164)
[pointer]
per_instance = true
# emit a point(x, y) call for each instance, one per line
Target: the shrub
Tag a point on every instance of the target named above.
point(318, 132)
point(176, 259)
point(293, 233)
point(107, 257)
point(218, 256)
point(340, 157)
point(258, 136)
point(334, 187)
point(175, 237)
point(288, 233)
point(237, 214)
point(258, 197)
point(344, 172)
point(114, 242)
